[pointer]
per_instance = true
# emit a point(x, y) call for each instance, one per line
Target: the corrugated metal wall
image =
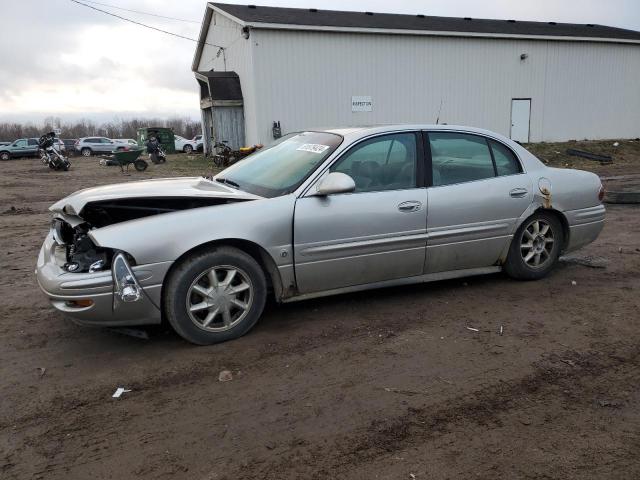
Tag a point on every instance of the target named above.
point(306, 80)
point(578, 89)
point(237, 58)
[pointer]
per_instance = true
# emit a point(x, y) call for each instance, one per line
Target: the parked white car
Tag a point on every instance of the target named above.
point(59, 146)
point(130, 142)
point(184, 145)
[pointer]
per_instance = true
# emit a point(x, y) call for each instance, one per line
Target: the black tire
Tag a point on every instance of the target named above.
point(188, 149)
point(140, 165)
point(86, 152)
point(544, 251)
point(179, 293)
point(4, 156)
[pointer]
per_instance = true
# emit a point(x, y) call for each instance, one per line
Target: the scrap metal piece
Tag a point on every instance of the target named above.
point(590, 156)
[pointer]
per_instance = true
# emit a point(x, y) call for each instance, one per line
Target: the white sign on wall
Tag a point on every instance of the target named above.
point(361, 104)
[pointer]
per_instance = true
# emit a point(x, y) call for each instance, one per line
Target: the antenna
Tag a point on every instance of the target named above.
point(439, 110)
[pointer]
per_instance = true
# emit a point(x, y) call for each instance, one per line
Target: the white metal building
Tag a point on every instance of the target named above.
point(308, 68)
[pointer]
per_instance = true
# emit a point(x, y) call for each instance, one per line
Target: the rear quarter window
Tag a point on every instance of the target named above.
point(506, 161)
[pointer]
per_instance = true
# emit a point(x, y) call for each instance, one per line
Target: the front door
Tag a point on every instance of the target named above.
point(374, 234)
point(520, 119)
point(477, 196)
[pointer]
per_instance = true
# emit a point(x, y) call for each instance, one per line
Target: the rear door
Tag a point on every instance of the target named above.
point(32, 146)
point(374, 234)
point(478, 192)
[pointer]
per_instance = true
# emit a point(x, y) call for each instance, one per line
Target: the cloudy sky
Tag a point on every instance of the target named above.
point(59, 58)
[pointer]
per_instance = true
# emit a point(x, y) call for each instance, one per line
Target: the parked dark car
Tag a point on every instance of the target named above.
point(23, 147)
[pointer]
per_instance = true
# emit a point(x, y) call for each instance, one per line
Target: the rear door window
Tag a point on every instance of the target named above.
point(459, 158)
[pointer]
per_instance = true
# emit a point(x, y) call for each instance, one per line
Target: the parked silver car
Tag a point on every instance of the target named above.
point(315, 214)
point(89, 145)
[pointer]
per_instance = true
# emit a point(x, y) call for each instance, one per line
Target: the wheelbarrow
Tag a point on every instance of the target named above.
point(124, 158)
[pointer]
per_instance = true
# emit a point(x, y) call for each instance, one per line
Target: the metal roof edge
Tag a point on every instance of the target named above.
point(432, 33)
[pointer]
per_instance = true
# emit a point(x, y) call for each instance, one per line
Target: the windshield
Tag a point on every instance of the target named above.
point(282, 167)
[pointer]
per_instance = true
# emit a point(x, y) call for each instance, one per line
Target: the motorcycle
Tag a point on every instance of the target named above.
point(49, 155)
point(225, 156)
point(158, 157)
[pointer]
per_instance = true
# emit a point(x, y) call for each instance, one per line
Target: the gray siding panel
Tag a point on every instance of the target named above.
point(578, 90)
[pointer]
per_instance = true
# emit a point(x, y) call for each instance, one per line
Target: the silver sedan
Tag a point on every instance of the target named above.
point(317, 213)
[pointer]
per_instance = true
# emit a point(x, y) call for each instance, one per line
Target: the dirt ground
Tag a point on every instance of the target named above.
point(389, 384)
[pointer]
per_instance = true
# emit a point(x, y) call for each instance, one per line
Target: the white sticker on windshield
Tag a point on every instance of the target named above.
point(312, 147)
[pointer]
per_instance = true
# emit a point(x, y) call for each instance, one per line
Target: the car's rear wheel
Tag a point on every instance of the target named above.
point(5, 156)
point(188, 149)
point(86, 152)
point(535, 248)
point(215, 296)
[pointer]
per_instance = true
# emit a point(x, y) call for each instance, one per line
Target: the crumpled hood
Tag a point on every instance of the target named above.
point(194, 187)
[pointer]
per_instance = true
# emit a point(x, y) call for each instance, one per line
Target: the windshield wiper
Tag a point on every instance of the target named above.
point(226, 181)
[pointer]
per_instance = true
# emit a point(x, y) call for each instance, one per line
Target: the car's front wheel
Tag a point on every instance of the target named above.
point(535, 248)
point(5, 156)
point(188, 149)
point(214, 296)
point(86, 152)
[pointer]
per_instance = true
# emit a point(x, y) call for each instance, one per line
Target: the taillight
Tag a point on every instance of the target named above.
point(601, 193)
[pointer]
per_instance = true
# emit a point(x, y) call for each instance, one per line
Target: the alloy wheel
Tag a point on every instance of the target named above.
point(536, 243)
point(219, 298)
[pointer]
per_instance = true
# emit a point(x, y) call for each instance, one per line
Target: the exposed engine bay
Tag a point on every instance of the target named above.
point(83, 255)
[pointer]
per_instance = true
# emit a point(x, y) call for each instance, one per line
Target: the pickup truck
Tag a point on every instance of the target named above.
point(23, 147)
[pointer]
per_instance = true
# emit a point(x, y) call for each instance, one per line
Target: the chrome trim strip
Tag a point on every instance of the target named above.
point(364, 243)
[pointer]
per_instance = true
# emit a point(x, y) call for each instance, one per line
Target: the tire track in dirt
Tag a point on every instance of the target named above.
point(482, 408)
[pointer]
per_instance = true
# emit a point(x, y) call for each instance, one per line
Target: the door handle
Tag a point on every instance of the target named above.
point(410, 206)
point(518, 192)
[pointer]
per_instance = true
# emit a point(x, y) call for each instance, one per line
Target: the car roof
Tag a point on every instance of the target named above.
point(353, 133)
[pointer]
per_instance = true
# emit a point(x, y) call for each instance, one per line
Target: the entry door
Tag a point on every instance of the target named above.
point(374, 234)
point(228, 124)
point(520, 119)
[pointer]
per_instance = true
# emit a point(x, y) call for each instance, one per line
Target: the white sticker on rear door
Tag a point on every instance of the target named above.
point(312, 147)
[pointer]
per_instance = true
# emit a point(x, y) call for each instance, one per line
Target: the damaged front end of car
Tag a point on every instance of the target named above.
point(98, 281)
point(94, 285)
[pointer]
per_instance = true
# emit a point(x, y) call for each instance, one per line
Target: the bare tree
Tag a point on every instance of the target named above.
point(118, 128)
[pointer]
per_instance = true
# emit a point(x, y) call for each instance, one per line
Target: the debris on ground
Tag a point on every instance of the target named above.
point(473, 329)
point(225, 376)
point(590, 156)
point(609, 403)
point(132, 332)
point(568, 362)
point(119, 391)
point(574, 283)
point(501, 329)
point(585, 260)
point(622, 197)
point(41, 371)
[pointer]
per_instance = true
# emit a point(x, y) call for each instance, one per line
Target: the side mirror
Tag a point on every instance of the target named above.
point(335, 182)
